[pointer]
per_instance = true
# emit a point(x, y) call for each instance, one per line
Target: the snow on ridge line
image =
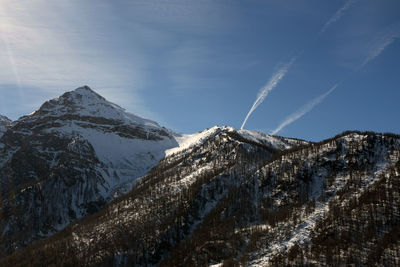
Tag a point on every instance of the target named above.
point(186, 141)
point(262, 138)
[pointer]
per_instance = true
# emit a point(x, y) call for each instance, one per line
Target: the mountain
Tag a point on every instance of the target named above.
point(67, 159)
point(200, 156)
point(229, 199)
point(4, 124)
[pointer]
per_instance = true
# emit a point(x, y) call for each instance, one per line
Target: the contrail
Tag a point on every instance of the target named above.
point(272, 83)
point(338, 14)
point(388, 37)
point(301, 112)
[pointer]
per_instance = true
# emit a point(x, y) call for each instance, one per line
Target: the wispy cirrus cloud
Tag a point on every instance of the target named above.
point(381, 42)
point(52, 47)
point(338, 15)
point(304, 110)
point(113, 47)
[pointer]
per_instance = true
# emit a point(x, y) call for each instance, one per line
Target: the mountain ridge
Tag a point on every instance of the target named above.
point(208, 207)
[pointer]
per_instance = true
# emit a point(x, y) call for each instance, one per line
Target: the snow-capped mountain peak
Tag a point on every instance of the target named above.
point(186, 141)
point(84, 102)
point(79, 150)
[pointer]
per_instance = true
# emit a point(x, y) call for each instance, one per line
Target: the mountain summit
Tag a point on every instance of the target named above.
point(84, 102)
point(126, 145)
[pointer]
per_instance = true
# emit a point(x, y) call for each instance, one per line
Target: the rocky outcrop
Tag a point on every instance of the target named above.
point(4, 124)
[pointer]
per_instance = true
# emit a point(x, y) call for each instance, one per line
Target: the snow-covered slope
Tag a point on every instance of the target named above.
point(186, 141)
point(126, 145)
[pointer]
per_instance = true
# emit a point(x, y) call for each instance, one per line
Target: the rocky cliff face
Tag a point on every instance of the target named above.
point(67, 159)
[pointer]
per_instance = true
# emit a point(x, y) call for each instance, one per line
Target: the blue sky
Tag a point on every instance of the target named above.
point(191, 65)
